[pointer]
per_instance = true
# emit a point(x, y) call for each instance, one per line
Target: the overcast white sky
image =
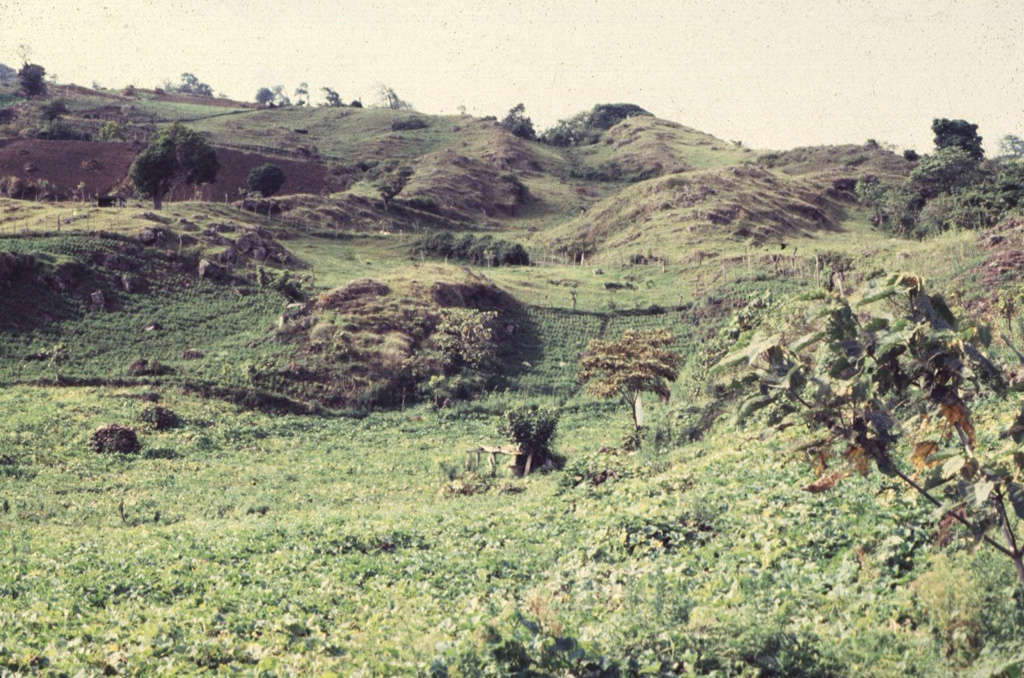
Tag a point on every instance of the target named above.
point(771, 73)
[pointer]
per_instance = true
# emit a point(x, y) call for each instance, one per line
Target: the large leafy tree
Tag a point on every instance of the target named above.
point(177, 154)
point(639, 361)
point(866, 382)
point(959, 134)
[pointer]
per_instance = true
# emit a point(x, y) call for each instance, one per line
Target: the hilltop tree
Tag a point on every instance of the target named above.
point(959, 134)
point(866, 381)
point(280, 98)
point(387, 98)
point(517, 123)
point(302, 94)
point(332, 99)
point(190, 84)
point(264, 96)
point(1012, 146)
point(32, 79)
point(266, 179)
point(638, 362)
point(177, 154)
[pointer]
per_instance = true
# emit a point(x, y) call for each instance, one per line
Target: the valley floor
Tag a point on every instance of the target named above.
point(244, 544)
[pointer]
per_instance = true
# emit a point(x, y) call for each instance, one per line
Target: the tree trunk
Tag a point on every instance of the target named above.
point(157, 202)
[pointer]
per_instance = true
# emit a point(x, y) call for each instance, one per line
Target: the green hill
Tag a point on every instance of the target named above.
point(309, 377)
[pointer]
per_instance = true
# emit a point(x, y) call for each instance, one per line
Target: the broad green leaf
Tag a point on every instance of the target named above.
point(877, 295)
point(1015, 491)
point(982, 491)
point(953, 466)
point(807, 340)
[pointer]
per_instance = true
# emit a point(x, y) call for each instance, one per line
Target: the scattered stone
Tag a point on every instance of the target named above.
point(995, 240)
point(192, 354)
point(115, 438)
point(98, 299)
point(153, 327)
point(209, 270)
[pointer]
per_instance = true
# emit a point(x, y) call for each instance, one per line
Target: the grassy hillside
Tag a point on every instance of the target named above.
point(302, 503)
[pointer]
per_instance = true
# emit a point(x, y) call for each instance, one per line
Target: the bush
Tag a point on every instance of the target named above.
point(409, 124)
point(160, 418)
point(61, 131)
point(482, 251)
point(266, 179)
point(532, 428)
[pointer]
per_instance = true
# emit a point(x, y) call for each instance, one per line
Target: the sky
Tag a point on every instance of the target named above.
point(769, 73)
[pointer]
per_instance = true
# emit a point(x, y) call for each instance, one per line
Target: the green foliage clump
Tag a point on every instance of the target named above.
point(464, 342)
point(55, 109)
point(266, 179)
point(586, 127)
point(862, 384)
point(112, 131)
point(410, 123)
point(58, 130)
point(481, 251)
point(532, 428)
point(32, 79)
point(177, 154)
point(518, 123)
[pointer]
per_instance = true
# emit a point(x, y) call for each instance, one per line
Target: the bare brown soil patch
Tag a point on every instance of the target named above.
point(103, 168)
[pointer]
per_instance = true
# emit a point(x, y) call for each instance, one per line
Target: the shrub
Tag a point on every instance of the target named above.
point(160, 418)
point(266, 179)
point(409, 124)
point(532, 428)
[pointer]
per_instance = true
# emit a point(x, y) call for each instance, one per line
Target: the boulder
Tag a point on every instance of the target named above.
point(209, 270)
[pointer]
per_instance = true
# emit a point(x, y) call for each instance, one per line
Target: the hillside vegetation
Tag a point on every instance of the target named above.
point(314, 379)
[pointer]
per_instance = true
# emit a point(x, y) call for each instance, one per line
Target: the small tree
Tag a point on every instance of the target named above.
point(302, 94)
point(32, 79)
point(332, 98)
point(55, 109)
point(1011, 146)
point(266, 179)
point(862, 383)
point(517, 123)
point(638, 362)
point(264, 96)
point(177, 154)
point(190, 85)
point(531, 428)
point(387, 98)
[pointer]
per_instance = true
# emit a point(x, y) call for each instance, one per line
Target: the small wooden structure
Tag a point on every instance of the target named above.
point(492, 454)
point(110, 201)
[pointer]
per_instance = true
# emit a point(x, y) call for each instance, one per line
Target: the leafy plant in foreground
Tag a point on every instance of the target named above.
point(860, 383)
